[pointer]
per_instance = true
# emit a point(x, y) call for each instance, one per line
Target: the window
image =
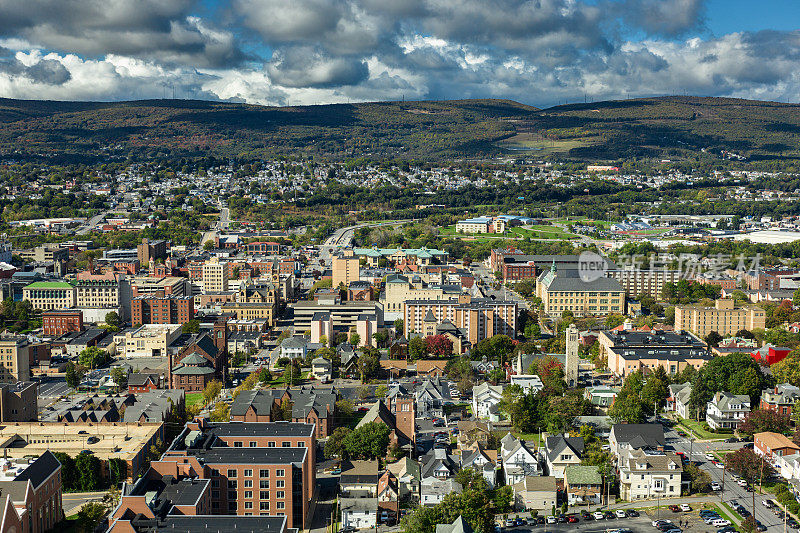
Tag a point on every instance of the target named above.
point(248, 483)
point(231, 473)
point(280, 484)
point(232, 484)
point(280, 495)
point(263, 484)
point(281, 505)
point(214, 483)
point(237, 444)
point(248, 473)
point(286, 444)
point(301, 444)
point(280, 473)
point(263, 495)
point(231, 506)
point(215, 494)
point(248, 505)
point(263, 506)
point(270, 445)
point(253, 444)
point(263, 473)
point(231, 494)
point(248, 494)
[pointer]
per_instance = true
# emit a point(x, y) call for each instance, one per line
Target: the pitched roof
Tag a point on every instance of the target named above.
point(458, 526)
point(582, 475)
point(41, 469)
point(557, 444)
point(775, 441)
point(639, 435)
point(537, 484)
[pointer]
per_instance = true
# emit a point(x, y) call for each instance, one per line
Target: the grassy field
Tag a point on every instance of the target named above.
point(542, 232)
point(194, 398)
point(532, 142)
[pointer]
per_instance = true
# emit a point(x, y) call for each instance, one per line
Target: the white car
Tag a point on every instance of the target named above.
point(655, 523)
point(685, 507)
point(742, 483)
point(710, 456)
point(716, 486)
point(620, 513)
point(597, 515)
point(719, 465)
point(720, 522)
point(551, 519)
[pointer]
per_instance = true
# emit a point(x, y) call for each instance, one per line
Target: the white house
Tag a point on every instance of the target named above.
point(359, 513)
point(726, 410)
point(322, 369)
point(535, 493)
point(528, 383)
point(434, 490)
point(485, 399)
point(562, 452)
point(649, 474)
point(518, 460)
point(294, 347)
point(481, 462)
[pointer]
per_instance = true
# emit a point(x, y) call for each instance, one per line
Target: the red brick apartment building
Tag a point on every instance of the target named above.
point(265, 469)
point(57, 322)
point(31, 498)
point(162, 310)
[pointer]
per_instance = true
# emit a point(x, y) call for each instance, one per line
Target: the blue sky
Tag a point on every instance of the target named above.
point(293, 52)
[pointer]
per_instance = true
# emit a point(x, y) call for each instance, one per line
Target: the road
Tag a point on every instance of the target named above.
point(731, 490)
point(71, 502)
point(52, 388)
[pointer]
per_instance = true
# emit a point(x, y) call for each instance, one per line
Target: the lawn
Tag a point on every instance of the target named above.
point(726, 512)
point(696, 428)
point(194, 398)
point(542, 231)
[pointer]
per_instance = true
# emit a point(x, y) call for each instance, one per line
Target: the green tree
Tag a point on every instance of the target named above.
point(629, 408)
point(191, 327)
point(713, 338)
point(93, 357)
point(87, 467)
point(369, 365)
point(399, 326)
point(90, 515)
point(700, 479)
point(355, 338)
point(368, 441)
point(69, 478)
point(73, 375)
point(334, 446)
point(416, 348)
point(655, 392)
point(264, 375)
point(787, 370)
point(118, 470)
point(113, 321)
point(119, 376)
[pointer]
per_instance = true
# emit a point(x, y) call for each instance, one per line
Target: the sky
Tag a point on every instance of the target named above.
point(302, 52)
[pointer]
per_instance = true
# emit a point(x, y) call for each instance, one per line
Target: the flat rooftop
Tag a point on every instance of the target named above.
point(123, 441)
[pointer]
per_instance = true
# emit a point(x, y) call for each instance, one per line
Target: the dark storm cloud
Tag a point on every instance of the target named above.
point(162, 30)
point(306, 67)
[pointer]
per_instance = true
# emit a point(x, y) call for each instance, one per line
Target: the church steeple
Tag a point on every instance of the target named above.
point(553, 266)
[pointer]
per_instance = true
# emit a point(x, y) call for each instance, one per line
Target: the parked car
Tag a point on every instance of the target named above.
point(742, 483)
point(633, 513)
point(551, 519)
point(686, 508)
point(656, 523)
point(597, 515)
point(760, 526)
point(609, 515)
point(769, 504)
point(710, 456)
point(509, 522)
point(716, 486)
point(572, 519)
point(620, 513)
point(674, 508)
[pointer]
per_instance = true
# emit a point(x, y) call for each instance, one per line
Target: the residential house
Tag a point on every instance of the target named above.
point(485, 399)
point(388, 499)
point(359, 513)
point(636, 436)
point(583, 485)
point(294, 348)
point(726, 410)
point(780, 399)
point(562, 451)
point(481, 461)
point(535, 493)
point(646, 474)
point(678, 400)
point(438, 463)
point(434, 490)
point(518, 459)
point(772, 445)
point(409, 478)
point(472, 432)
point(359, 478)
point(600, 424)
point(431, 397)
point(322, 369)
point(31, 494)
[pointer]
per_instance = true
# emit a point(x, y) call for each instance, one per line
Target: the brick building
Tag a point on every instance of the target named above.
point(162, 310)
point(57, 322)
point(150, 250)
point(31, 493)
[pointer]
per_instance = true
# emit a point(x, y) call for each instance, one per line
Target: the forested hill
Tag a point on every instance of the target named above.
point(675, 128)
point(186, 128)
